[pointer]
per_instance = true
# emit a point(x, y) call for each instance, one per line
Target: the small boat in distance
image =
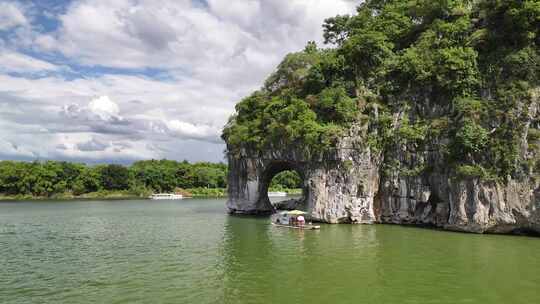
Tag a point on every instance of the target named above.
point(166, 196)
point(277, 194)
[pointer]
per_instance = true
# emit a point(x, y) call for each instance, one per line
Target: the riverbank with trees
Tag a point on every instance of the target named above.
point(66, 180)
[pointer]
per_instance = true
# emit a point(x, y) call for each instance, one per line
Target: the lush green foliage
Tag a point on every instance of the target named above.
point(114, 177)
point(286, 180)
point(45, 179)
point(206, 192)
point(305, 102)
point(166, 175)
point(454, 76)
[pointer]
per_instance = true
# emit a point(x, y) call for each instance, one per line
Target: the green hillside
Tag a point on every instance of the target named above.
point(460, 77)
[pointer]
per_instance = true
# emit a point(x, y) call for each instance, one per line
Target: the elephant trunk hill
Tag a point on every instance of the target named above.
point(420, 112)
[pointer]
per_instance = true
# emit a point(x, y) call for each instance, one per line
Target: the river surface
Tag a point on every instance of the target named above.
point(190, 251)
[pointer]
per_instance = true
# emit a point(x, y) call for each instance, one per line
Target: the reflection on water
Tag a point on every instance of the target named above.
point(192, 252)
point(280, 264)
point(378, 264)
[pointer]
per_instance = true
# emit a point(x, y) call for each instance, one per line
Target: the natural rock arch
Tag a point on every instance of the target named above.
point(338, 188)
point(272, 169)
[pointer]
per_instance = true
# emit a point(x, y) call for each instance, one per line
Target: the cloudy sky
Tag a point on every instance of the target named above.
point(122, 80)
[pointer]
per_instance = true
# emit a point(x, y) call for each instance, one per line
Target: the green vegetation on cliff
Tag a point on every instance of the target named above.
point(459, 77)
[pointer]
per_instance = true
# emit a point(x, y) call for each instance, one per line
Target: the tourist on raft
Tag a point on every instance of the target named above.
point(301, 220)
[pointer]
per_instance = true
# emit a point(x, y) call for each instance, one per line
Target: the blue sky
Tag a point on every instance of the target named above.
point(122, 80)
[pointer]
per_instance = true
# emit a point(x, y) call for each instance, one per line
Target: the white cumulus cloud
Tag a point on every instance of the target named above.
point(141, 79)
point(188, 130)
point(11, 16)
point(104, 107)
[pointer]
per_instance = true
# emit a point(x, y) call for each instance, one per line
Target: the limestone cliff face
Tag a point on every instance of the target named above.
point(338, 188)
point(332, 193)
point(350, 189)
point(356, 185)
point(466, 205)
point(441, 198)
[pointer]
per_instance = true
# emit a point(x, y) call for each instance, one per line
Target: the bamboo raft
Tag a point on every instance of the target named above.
point(289, 219)
point(305, 227)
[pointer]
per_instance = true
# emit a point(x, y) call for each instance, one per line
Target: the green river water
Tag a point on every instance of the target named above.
point(191, 251)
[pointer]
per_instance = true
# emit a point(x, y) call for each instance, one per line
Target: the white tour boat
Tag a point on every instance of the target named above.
point(166, 196)
point(277, 194)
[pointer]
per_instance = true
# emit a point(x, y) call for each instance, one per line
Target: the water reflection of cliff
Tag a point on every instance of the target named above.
point(372, 264)
point(268, 264)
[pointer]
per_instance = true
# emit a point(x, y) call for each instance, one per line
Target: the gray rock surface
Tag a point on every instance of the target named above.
point(351, 190)
point(291, 204)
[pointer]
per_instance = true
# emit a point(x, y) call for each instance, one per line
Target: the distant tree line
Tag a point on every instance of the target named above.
point(49, 178)
point(286, 180)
